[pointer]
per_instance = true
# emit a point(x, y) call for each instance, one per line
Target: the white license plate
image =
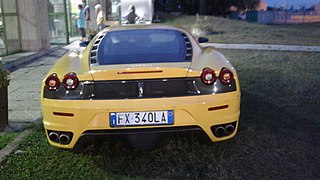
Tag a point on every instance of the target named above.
point(141, 118)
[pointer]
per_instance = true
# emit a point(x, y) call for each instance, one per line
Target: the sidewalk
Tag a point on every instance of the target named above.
point(14, 61)
point(25, 89)
point(25, 84)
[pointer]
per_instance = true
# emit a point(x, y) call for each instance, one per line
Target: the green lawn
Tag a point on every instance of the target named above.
point(279, 134)
point(234, 31)
point(5, 138)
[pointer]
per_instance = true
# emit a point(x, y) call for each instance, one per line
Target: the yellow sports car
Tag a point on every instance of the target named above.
point(141, 82)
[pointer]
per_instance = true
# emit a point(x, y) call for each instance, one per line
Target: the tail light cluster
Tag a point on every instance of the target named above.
point(226, 76)
point(70, 81)
point(53, 82)
point(208, 76)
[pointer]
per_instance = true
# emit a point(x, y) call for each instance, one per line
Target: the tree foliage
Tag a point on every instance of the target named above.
point(245, 4)
point(204, 7)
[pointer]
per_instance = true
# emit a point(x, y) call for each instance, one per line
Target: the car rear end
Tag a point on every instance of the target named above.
point(142, 85)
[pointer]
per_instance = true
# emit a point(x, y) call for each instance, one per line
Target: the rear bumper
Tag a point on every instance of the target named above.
point(91, 117)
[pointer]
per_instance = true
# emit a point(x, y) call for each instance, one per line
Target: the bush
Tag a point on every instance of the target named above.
point(4, 76)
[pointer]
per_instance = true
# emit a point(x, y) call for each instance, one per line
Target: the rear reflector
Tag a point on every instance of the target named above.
point(217, 108)
point(63, 114)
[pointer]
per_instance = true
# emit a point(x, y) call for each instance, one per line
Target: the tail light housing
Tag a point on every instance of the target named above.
point(226, 76)
point(70, 81)
point(208, 76)
point(53, 82)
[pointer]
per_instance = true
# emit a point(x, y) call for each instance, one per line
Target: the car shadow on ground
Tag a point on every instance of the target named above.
point(271, 142)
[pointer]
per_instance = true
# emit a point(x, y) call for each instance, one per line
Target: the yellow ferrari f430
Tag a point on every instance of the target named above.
point(140, 82)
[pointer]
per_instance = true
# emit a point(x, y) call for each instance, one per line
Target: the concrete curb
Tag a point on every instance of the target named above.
point(264, 47)
point(11, 146)
point(26, 59)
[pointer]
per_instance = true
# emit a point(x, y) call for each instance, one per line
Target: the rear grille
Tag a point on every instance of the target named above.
point(156, 88)
point(94, 50)
point(137, 89)
point(143, 89)
point(188, 47)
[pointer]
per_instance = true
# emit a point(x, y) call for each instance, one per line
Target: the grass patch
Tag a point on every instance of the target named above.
point(35, 158)
point(5, 138)
point(234, 31)
point(279, 134)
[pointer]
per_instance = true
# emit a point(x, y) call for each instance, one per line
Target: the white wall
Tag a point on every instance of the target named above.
point(144, 8)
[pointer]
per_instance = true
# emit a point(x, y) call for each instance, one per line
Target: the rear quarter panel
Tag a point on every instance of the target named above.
point(213, 59)
point(70, 62)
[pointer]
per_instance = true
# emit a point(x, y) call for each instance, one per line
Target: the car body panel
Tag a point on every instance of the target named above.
point(139, 73)
point(188, 111)
point(94, 115)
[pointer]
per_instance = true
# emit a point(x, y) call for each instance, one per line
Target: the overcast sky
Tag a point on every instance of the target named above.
point(295, 3)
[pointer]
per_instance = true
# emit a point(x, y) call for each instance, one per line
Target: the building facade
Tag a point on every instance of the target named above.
point(23, 26)
point(32, 25)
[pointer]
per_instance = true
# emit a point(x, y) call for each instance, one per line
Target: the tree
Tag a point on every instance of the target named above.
point(245, 4)
point(207, 7)
point(218, 7)
point(202, 9)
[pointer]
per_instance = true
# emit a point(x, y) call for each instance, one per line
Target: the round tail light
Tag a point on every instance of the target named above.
point(53, 82)
point(226, 76)
point(70, 81)
point(208, 76)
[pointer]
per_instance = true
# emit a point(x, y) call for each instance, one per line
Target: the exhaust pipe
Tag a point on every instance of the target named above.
point(54, 136)
point(219, 131)
point(229, 129)
point(64, 139)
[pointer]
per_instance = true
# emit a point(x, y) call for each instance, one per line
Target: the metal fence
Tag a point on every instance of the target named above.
point(285, 17)
point(279, 17)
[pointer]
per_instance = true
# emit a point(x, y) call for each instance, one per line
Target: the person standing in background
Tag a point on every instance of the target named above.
point(87, 17)
point(100, 17)
point(132, 17)
point(81, 22)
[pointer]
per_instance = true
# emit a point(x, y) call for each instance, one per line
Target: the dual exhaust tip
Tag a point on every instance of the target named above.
point(224, 129)
point(60, 137)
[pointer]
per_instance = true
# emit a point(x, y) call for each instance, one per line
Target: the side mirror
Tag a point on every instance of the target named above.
point(203, 40)
point(84, 43)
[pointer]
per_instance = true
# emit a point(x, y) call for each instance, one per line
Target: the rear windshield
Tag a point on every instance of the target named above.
point(142, 46)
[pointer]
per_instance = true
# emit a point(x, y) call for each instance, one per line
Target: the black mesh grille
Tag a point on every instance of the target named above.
point(94, 49)
point(154, 88)
point(188, 47)
point(167, 88)
point(157, 88)
point(116, 90)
